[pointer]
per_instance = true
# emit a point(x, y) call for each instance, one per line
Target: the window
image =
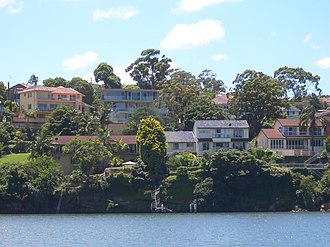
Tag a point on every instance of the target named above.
point(205, 146)
point(295, 144)
point(53, 106)
point(29, 106)
point(61, 97)
point(42, 107)
point(72, 98)
point(175, 146)
point(29, 94)
point(190, 145)
point(276, 144)
point(317, 143)
point(238, 133)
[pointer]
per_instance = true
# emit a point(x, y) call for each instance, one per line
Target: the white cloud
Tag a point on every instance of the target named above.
point(307, 38)
point(195, 5)
point(184, 36)
point(323, 63)
point(219, 57)
point(6, 3)
point(122, 13)
point(80, 61)
point(315, 46)
point(12, 6)
point(125, 78)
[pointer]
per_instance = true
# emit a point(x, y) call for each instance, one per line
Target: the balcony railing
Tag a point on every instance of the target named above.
point(301, 133)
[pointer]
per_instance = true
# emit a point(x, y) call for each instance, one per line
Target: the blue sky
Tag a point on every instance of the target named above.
point(69, 38)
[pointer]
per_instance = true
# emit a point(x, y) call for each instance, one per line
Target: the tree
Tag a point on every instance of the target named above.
point(62, 121)
point(140, 113)
point(151, 142)
point(202, 109)
point(104, 72)
point(41, 146)
point(56, 82)
point(308, 117)
point(88, 154)
point(257, 98)
point(3, 92)
point(297, 81)
point(103, 111)
point(149, 70)
point(210, 83)
point(178, 93)
point(83, 87)
point(243, 183)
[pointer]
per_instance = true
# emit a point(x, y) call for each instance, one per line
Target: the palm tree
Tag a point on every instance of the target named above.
point(42, 145)
point(308, 117)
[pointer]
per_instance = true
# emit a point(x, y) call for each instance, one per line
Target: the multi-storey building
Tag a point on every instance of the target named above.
point(43, 100)
point(125, 101)
point(215, 135)
point(289, 138)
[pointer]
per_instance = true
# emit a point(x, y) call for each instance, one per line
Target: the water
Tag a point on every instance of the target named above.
point(221, 229)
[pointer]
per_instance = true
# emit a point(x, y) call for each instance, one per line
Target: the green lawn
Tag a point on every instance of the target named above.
point(11, 158)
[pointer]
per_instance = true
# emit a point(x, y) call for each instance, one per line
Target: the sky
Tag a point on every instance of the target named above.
point(69, 38)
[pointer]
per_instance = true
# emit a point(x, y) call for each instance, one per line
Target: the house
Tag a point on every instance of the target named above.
point(289, 138)
point(292, 112)
point(221, 100)
point(180, 141)
point(13, 92)
point(215, 135)
point(325, 101)
point(43, 100)
point(65, 160)
point(125, 101)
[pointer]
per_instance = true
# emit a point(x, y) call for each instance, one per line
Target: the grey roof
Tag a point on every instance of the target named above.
point(221, 124)
point(180, 136)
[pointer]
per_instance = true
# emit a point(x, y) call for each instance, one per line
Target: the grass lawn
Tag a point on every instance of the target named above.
point(10, 158)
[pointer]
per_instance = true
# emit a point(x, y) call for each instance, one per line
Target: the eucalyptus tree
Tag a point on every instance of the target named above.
point(210, 83)
point(105, 73)
point(55, 82)
point(297, 81)
point(83, 87)
point(178, 92)
point(150, 70)
point(257, 98)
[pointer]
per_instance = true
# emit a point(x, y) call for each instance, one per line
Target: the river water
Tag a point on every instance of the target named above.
point(201, 229)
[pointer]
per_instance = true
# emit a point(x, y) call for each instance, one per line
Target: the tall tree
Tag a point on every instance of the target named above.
point(308, 117)
point(151, 143)
point(178, 93)
point(210, 82)
point(297, 81)
point(56, 82)
point(257, 98)
point(83, 87)
point(149, 70)
point(202, 109)
point(104, 72)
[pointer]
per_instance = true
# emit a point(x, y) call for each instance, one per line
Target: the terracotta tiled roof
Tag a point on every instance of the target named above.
point(221, 99)
point(127, 139)
point(294, 122)
point(62, 140)
point(54, 90)
point(326, 100)
point(272, 133)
